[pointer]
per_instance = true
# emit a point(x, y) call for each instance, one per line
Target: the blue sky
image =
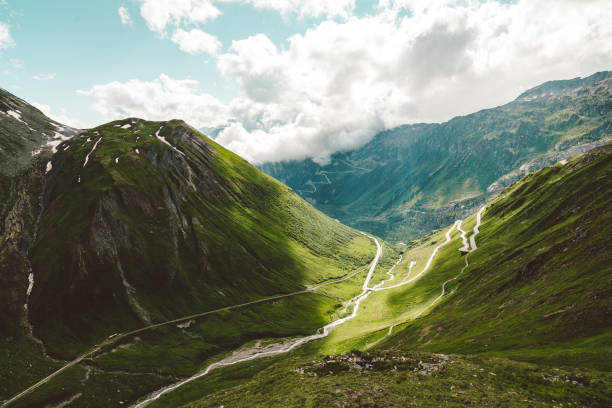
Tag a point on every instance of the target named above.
point(84, 43)
point(292, 79)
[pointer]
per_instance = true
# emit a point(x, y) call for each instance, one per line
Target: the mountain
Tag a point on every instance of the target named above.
point(513, 310)
point(143, 265)
point(417, 178)
point(133, 224)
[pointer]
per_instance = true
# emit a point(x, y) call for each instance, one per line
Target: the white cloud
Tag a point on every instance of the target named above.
point(124, 15)
point(181, 15)
point(196, 41)
point(305, 8)
point(334, 87)
point(160, 14)
point(45, 77)
point(6, 41)
point(163, 98)
point(338, 84)
point(61, 118)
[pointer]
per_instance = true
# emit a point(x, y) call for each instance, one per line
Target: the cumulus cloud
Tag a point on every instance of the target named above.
point(6, 41)
point(44, 77)
point(160, 14)
point(178, 15)
point(338, 84)
point(305, 8)
point(124, 15)
point(163, 98)
point(196, 41)
point(61, 118)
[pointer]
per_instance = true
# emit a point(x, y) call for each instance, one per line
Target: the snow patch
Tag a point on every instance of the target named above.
point(116, 160)
point(127, 126)
point(16, 115)
point(92, 150)
point(563, 162)
point(30, 283)
point(137, 151)
point(49, 167)
point(163, 140)
point(56, 140)
point(29, 290)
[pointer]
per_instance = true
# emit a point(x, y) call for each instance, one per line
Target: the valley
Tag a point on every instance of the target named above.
point(413, 179)
point(145, 265)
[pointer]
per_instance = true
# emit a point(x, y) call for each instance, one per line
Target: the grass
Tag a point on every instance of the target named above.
point(393, 379)
point(536, 288)
point(525, 325)
point(190, 233)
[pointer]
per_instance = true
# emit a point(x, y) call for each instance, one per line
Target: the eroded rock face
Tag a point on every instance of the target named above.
point(19, 215)
point(27, 141)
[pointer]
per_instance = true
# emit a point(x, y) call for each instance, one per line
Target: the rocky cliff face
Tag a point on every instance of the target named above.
point(27, 141)
point(417, 178)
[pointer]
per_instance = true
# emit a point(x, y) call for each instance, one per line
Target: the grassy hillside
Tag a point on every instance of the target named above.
point(135, 223)
point(538, 288)
point(525, 323)
point(135, 230)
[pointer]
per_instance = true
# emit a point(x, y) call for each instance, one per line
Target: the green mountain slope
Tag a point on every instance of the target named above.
point(135, 223)
point(138, 229)
point(524, 318)
point(417, 178)
point(538, 287)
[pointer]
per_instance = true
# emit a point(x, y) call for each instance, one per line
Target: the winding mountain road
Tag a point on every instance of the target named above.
point(114, 338)
point(286, 346)
point(427, 265)
point(474, 247)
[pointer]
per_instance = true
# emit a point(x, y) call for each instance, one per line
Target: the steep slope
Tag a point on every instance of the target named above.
point(134, 223)
point(522, 317)
point(417, 178)
point(27, 140)
point(145, 221)
point(538, 287)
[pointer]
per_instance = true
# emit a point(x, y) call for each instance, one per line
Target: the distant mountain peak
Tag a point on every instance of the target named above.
point(563, 87)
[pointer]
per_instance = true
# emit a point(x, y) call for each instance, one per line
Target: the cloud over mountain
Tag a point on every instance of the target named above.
point(334, 87)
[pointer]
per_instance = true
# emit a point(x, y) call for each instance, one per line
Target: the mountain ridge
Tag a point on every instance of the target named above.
point(416, 178)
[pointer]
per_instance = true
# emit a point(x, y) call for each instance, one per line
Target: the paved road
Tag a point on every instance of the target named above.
point(116, 337)
point(474, 247)
point(286, 346)
point(429, 261)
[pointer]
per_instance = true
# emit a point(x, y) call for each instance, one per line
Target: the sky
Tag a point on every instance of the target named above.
point(292, 79)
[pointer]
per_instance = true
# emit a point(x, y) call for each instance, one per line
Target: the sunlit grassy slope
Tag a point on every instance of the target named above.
point(526, 324)
point(148, 221)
